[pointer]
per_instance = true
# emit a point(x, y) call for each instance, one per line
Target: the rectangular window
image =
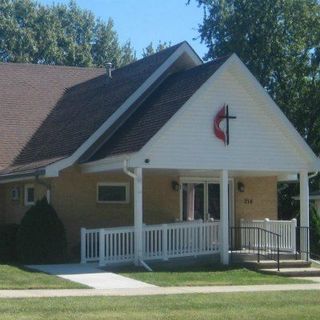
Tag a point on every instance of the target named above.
point(29, 195)
point(113, 192)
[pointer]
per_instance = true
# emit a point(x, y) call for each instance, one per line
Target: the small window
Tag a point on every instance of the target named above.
point(29, 195)
point(113, 193)
point(15, 193)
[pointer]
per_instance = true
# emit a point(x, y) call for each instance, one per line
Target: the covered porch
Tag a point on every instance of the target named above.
point(208, 223)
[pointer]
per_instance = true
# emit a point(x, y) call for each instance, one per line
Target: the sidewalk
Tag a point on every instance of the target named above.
point(91, 275)
point(152, 291)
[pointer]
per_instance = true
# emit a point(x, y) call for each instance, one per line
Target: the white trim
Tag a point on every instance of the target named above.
point(106, 164)
point(114, 184)
point(26, 187)
point(8, 180)
point(279, 115)
point(53, 169)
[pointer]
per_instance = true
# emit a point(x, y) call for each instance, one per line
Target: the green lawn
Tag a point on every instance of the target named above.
point(15, 277)
point(203, 275)
point(268, 305)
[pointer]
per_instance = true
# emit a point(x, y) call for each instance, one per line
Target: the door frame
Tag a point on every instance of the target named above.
point(206, 181)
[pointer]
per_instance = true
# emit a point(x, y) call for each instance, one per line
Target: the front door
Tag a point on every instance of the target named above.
point(201, 200)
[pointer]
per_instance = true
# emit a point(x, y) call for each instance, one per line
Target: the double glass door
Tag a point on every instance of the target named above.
point(201, 200)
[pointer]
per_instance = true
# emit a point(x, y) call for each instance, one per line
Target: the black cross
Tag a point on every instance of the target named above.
point(227, 117)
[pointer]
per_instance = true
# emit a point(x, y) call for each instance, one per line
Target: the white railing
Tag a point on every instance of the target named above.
point(285, 228)
point(180, 240)
point(116, 245)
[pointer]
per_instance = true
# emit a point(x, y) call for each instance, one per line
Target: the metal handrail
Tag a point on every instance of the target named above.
point(263, 242)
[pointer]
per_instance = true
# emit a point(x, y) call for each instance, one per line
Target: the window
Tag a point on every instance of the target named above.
point(29, 196)
point(15, 192)
point(113, 192)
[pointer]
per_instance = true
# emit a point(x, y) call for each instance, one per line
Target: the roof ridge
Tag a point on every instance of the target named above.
point(40, 65)
point(27, 64)
point(174, 47)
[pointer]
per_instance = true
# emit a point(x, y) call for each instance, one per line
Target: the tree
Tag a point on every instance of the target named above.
point(58, 34)
point(150, 49)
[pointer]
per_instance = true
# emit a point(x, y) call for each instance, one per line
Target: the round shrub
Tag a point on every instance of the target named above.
point(41, 236)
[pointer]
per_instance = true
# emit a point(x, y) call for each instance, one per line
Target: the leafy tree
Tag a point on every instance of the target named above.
point(128, 54)
point(150, 49)
point(58, 34)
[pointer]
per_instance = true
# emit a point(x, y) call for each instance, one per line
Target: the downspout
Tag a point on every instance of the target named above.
point(132, 175)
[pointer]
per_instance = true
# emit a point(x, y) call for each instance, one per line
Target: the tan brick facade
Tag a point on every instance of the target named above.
point(259, 199)
point(73, 195)
point(14, 210)
point(74, 198)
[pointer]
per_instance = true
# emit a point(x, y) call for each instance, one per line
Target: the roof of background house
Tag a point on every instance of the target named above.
point(47, 112)
point(157, 109)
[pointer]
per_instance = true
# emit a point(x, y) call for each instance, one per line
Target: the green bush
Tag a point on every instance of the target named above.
point(41, 236)
point(8, 233)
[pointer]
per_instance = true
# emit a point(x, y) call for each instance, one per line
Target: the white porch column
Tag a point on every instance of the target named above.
point(224, 217)
point(304, 212)
point(138, 215)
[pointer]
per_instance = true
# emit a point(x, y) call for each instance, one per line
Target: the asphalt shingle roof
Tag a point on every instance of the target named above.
point(48, 112)
point(162, 104)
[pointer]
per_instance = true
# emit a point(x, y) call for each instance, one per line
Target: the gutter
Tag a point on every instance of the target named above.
point(11, 177)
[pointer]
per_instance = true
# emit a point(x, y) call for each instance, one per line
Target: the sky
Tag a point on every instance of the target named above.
point(143, 21)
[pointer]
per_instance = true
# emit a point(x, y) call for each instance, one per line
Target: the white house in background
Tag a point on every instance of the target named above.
point(169, 157)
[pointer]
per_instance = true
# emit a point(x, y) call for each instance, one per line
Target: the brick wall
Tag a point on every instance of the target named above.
point(259, 199)
point(74, 198)
point(14, 210)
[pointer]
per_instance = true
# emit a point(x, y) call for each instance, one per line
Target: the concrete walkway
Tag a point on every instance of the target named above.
point(91, 276)
point(153, 291)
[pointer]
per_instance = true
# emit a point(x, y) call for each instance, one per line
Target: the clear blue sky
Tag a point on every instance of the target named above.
point(143, 21)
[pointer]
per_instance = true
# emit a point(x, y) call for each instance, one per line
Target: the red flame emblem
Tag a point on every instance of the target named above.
point(220, 116)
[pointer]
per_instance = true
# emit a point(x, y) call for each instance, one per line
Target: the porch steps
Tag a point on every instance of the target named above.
point(252, 258)
point(294, 272)
point(284, 264)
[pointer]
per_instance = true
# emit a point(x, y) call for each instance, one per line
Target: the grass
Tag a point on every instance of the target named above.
point(264, 305)
point(204, 275)
point(17, 277)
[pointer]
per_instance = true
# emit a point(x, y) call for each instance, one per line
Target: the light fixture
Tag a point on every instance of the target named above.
point(240, 187)
point(175, 185)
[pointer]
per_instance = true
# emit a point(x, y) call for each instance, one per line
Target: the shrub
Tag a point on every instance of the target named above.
point(41, 237)
point(8, 233)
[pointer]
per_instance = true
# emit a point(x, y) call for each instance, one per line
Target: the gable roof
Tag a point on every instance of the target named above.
point(48, 112)
point(165, 101)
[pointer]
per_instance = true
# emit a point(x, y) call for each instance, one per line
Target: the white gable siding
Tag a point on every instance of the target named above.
point(257, 141)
